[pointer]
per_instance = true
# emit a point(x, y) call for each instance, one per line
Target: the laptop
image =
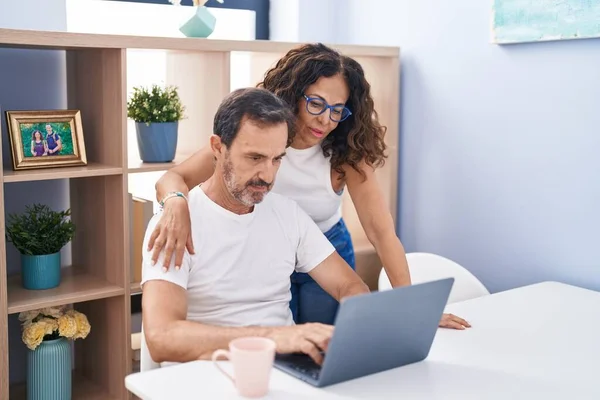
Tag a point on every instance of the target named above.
point(375, 332)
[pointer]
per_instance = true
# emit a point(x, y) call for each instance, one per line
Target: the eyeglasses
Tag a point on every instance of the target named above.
point(317, 106)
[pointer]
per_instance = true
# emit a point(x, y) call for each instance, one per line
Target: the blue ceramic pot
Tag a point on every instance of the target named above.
point(49, 371)
point(40, 272)
point(157, 141)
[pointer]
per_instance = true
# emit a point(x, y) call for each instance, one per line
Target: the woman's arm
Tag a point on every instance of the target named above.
point(173, 232)
point(33, 147)
point(378, 224)
point(191, 172)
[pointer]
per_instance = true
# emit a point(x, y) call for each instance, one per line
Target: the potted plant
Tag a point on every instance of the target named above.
point(39, 234)
point(46, 333)
point(156, 112)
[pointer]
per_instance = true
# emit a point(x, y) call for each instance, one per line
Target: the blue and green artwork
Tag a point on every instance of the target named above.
point(518, 21)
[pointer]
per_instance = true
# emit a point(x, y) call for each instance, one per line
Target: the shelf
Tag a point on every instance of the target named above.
point(92, 169)
point(135, 288)
point(68, 40)
point(82, 389)
point(367, 261)
point(137, 166)
point(76, 286)
point(363, 248)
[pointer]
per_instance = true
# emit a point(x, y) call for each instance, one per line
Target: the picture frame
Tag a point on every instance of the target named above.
point(46, 139)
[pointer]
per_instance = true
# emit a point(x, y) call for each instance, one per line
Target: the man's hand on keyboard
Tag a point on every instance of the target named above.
point(311, 339)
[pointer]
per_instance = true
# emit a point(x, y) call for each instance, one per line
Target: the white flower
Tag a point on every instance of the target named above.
point(176, 2)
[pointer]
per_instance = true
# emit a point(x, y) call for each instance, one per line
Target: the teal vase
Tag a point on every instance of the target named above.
point(40, 272)
point(200, 25)
point(49, 371)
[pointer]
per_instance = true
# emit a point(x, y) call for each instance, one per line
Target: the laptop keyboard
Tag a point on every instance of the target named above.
point(311, 370)
point(301, 363)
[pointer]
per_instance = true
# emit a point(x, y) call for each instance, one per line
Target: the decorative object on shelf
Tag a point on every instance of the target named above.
point(156, 112)
point(202, 23)
point(46, 333)
point(39, 234)
point(522, 21)
point(46, 138)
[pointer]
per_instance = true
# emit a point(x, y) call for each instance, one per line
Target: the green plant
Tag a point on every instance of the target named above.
point(155, 104)
point(40, 230)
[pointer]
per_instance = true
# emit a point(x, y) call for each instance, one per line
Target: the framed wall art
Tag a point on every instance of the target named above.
point(525, 21)
point(46, 138)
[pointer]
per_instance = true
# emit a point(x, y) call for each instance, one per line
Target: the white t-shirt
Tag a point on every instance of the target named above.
point(305, 177)
point(240, 272)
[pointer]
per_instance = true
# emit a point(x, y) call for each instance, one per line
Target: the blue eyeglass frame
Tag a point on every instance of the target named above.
point(327, 106)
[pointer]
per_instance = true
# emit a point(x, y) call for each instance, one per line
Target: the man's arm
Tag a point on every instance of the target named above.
point(170, 337)
point(336, 277)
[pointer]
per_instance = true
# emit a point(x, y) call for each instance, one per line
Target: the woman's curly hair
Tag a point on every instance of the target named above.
point(357, 138)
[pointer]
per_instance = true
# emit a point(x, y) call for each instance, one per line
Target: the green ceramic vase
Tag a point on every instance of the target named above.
point(40, 272)
point(49, 371)
point(200, 25)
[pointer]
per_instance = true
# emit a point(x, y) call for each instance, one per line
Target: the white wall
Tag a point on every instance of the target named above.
point(499, 147)
point(305, 20)
point(284, 20)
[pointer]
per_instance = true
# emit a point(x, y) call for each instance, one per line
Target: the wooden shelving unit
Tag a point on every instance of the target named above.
point(135, 288)
point(92, 169)
point(136, 166)
point(76, 286)
point(98, 283)
point(82, 389)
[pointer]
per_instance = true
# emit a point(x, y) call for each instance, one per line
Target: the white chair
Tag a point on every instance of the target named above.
point(425, 267)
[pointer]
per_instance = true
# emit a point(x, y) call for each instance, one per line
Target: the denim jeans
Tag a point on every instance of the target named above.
point(309, 302)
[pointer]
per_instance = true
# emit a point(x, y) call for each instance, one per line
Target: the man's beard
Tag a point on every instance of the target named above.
point(243, 193)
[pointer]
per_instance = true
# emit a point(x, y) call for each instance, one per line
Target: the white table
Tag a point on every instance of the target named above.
point(540, 341)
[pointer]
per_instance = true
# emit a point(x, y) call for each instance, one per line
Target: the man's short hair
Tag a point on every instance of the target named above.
point(255, 104)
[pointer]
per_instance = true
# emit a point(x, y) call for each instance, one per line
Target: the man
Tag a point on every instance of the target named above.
point(53, 140)
point(247, 244)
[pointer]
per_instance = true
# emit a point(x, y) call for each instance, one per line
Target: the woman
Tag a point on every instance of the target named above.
point(38, 144)
point(338, 144)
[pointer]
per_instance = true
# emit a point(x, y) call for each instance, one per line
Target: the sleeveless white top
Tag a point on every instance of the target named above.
point(305, 177)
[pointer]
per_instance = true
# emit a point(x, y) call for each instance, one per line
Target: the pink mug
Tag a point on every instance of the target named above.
point(252, 359)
